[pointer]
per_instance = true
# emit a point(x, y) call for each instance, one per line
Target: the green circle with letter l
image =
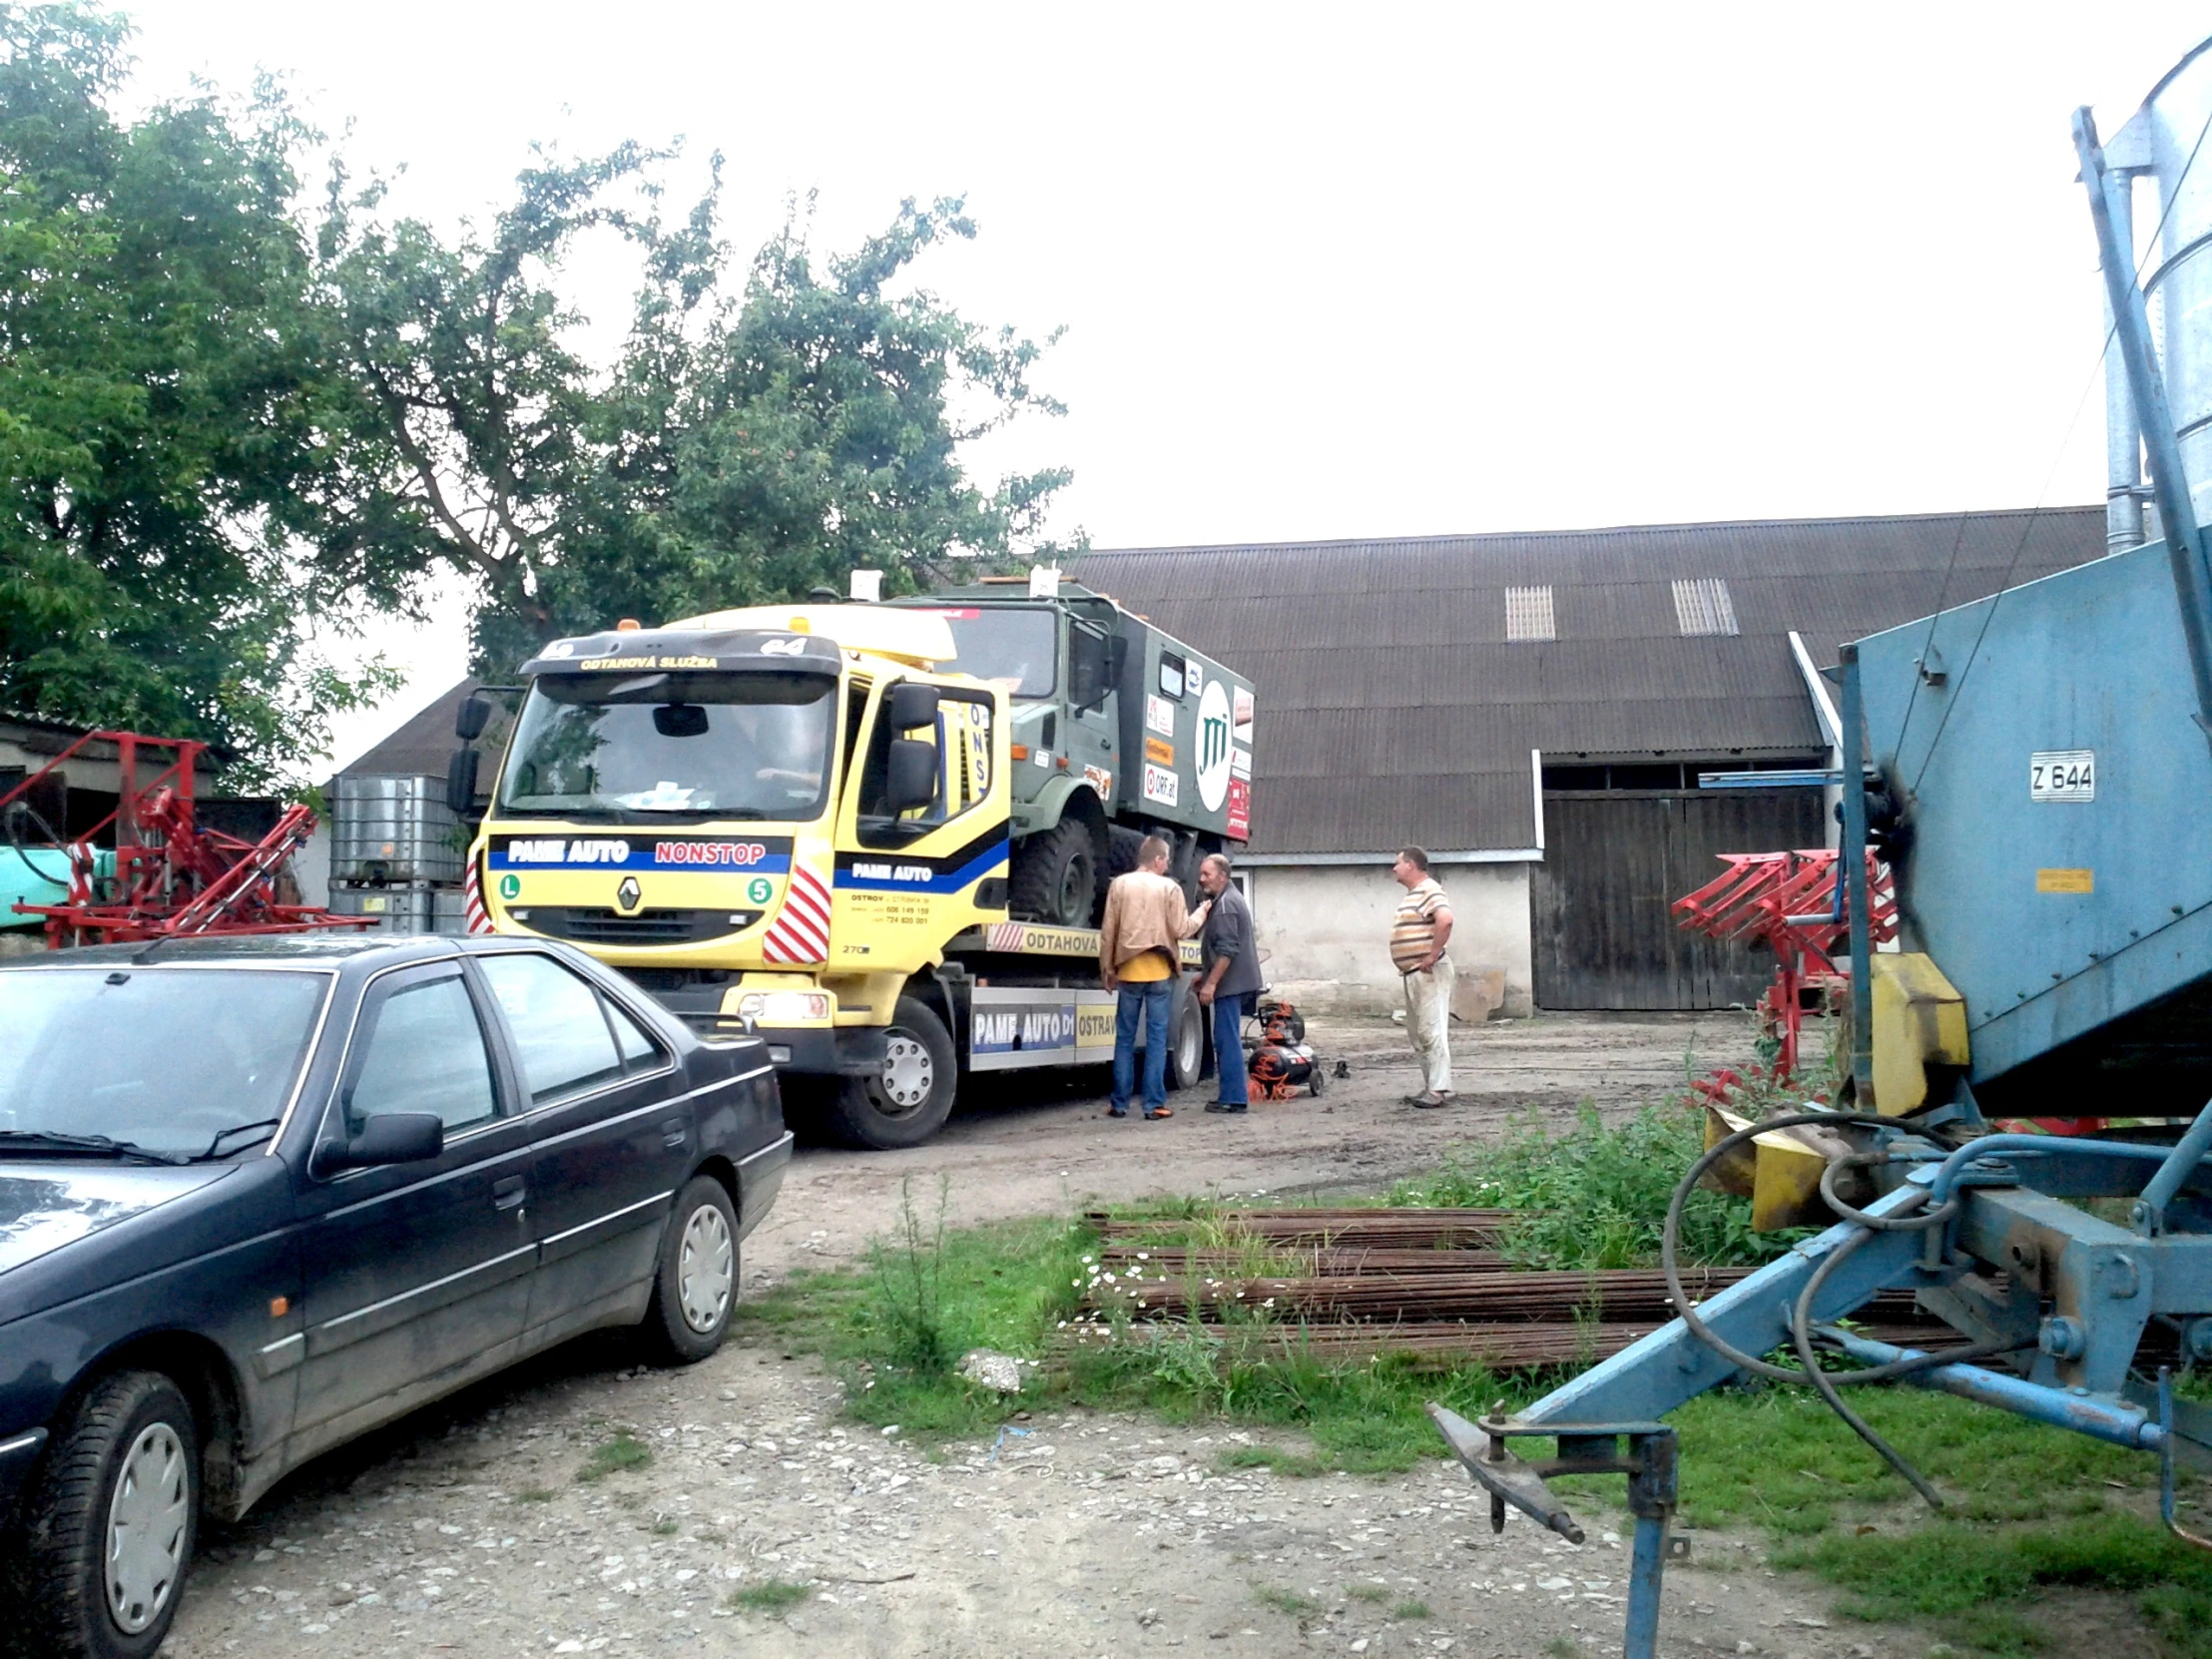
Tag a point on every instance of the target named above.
point(510, 887)
point(759, 889)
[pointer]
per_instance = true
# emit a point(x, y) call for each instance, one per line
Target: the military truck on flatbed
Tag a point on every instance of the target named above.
point(875, 834)
point(1119, 731)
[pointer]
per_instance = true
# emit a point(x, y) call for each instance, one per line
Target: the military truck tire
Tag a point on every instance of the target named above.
point(1185, 1039)
point(1121, 849)
point(911, 1099)
point(1055, 877)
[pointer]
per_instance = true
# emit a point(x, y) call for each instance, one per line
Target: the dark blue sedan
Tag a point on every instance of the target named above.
point(260, 1195)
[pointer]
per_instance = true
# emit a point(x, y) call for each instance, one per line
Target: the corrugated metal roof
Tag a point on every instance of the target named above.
point(1383, 718)
point(425, 745)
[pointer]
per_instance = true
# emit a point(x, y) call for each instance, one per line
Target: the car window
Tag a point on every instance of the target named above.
point(561, 1039)
point(426, 1054)
point(639, 1051)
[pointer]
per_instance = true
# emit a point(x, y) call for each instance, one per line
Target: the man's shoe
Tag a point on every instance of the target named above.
point(1425, 1101)
point(1117, 1111)
point(1159, 1112)
point(1219, 1106)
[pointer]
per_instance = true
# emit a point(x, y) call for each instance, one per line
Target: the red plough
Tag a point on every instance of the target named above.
point(172, 877)
point(1788, 900)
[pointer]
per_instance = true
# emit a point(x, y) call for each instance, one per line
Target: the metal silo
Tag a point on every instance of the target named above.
point(2157, 144)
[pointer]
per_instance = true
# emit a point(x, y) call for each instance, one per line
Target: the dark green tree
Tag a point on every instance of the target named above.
point(164, 399)
point(763, 430)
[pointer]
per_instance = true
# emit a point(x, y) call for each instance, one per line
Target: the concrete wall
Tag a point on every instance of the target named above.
point(1325, 931)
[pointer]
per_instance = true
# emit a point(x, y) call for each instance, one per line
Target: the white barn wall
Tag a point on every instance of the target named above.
point(1324, 932)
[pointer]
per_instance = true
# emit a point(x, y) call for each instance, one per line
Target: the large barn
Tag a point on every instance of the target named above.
point(1534, 710)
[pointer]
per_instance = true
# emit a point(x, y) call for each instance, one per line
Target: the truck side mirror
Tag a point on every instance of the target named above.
point(460, 782)
point(914, 704)
point(911, 777)
point(470, 719)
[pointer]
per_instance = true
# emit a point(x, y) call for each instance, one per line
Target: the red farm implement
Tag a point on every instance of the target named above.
point(172, 877)
point(1787, 902)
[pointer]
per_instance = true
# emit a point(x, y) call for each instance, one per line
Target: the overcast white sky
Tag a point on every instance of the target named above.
point(1360, 271)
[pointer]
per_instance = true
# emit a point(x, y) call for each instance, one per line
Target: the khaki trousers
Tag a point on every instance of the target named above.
point(1428, 1024)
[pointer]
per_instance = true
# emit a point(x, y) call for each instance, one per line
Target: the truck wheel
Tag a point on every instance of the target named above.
point(110, 1524)
point(912, 1097)
point(1055, 876)
point(1186, 1040)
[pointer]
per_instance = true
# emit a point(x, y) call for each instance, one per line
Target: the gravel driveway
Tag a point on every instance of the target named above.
point(466, 1529)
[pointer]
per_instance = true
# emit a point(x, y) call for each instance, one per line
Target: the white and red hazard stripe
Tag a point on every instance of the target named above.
point(473, 903)
point(801, 932)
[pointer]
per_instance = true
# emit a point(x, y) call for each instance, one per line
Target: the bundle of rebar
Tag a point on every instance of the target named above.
point(1336, 1227)
point(1429, 1284)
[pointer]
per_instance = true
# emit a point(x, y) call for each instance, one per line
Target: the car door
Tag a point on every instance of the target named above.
point(612, 1138)
point(415, 1274)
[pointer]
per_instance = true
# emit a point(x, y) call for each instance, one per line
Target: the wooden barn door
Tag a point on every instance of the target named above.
point(1603, 935)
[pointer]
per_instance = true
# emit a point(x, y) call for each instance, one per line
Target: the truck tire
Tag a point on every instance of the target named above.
point(1055, 877)
point(911, 1099)
point(110, 1523)
point(1185, 1039)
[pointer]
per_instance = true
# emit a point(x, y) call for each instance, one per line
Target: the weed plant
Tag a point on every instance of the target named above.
point(1595, 1195)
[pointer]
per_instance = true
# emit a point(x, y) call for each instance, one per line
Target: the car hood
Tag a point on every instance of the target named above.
point(45, 1205)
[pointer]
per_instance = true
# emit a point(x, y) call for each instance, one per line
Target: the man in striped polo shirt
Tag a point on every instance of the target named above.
point(1417, 938)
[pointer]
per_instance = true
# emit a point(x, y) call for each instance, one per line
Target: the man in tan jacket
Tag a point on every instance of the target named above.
point(1139, 956)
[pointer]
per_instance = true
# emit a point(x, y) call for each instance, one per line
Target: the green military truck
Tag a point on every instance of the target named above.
point(1120, 731)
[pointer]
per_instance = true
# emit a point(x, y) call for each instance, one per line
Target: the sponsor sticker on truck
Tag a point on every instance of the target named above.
point(1160, 785)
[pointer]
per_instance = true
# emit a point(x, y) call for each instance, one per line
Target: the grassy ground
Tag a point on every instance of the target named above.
point(2028, 1509)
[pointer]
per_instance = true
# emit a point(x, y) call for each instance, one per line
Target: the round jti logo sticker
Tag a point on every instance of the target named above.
point(510, 887)
point(759, 889)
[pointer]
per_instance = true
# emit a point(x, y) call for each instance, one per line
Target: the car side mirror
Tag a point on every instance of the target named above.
point(912, 705)
point(460, 782)
point(910, 780)
point(387, 1137)
point(470, 719)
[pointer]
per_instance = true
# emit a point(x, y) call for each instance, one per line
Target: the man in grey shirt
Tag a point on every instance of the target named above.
point(1230, 979)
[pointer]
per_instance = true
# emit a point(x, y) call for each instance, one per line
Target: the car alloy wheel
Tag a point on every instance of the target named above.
point(707, 1268)
point(908, 1072)
point(147, 1520)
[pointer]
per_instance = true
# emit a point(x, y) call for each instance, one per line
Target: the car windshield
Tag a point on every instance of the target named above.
point(659, 746)
point(1016, 649)
point(165, 1058)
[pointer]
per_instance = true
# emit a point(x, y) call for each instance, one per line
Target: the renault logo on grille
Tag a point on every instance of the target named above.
point(625, 896)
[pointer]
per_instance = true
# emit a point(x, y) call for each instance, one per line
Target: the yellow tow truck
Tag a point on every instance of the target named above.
point(796, 820)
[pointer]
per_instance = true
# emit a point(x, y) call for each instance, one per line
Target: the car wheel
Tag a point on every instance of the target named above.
point(697, 1286)
point(1186, 1040)
point(110, 1522)
point(909, 1101)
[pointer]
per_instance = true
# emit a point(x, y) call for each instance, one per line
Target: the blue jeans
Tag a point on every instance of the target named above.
point(1151, 1002)
point(1230, 1087)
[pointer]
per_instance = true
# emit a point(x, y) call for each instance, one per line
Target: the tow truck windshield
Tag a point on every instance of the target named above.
point(656, 746)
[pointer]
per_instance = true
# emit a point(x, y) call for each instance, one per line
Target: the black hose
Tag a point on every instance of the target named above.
point(1669, 1244)
point(1801, 1335)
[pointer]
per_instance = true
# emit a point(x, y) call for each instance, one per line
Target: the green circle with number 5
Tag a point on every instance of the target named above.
point(760, 890)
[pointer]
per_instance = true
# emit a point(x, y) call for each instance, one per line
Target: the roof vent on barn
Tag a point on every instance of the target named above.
point(1702, 606)
point(1528, 614)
